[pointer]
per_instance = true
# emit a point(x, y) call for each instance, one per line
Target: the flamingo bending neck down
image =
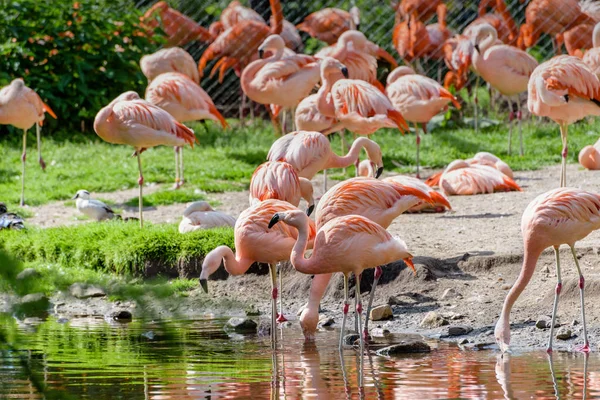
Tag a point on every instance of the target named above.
point(560, 216)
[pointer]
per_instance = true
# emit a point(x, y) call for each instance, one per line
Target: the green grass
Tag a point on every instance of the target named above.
point(112, 246)
point(166, 197)
point(225, 160)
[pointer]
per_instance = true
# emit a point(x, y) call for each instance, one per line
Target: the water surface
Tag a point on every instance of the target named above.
point(88, 359)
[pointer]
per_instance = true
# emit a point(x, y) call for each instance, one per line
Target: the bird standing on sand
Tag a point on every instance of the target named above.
point(200, 215)
point(22, 108)
point(133, 121)
point(94, 209)
point(186, 101)
point(560, 216)
point(565, 90)
point(255, 242)
point(348, 244)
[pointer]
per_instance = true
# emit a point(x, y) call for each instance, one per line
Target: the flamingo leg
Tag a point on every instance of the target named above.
point(511, 116)
point(284, 118)
point(476, 105)
point(273, 272)
point(324, 181)
point(345, 312)
point(242, 106)
point(38, 133)
point(556, 295)
point(181, 166)
point(23, 158)
point(293, 112)
point(418, 148)
point(378, 272)
point(519, 118)
point(140, 184)
point(177, 179)
point(565, 151)
point(343, 139)
point(280, 316)
point(362, 342)
point(586, 344)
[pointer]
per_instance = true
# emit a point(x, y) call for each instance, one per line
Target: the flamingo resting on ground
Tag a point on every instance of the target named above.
point(560, 216)
point(565, 90)
point(348, 244)
point(418, 98)
point(279, 180)
point(138, 123)
point(22, 108)
point(200, 215)
point(310, 152)
point(506, 68)
point(172, 59)
point(186, 101)
point(255, 241)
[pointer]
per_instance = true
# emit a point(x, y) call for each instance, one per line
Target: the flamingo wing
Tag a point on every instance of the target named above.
point(567, 74)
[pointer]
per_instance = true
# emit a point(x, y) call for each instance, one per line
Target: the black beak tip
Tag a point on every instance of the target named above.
point(274, 220)
point(477, 48)
point(204, 285)
point(379, 172)
point(74, 197)
point(261, 53)
point(310, 209)
point(345, 72)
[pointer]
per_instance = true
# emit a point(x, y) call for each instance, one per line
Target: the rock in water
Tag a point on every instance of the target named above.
point(381, 313)
point(458, 330)
point(84, 291)
point(413, 346)
point(120, 315)
point(351, 338)
point(33, 305)
point(433, 320)
point(242, 325)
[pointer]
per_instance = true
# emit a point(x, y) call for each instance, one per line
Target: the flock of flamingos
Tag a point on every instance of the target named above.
point(349, 233)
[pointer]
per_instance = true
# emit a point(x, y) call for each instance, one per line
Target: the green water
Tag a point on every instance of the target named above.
point(92, 359)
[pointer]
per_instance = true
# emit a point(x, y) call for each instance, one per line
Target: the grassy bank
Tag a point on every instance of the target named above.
point(225, 160)
point(114, 247)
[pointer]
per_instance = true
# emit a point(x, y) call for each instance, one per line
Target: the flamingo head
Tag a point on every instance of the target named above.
point(330, 67)
point(308, 322)
point(374, 155)
point(211, 263)
point(358, 39)
point(295, 218)
point(502, 335)
point(588, 158)
point(275, 43)
point(366, 168)
point(481, 32)
point(355, 16)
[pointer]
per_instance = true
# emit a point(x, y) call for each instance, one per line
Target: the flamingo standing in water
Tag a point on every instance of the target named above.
point(348, 244)
point(138, 123)
point(186, 101)
point(310, 152)
point(172, 59)
point(281, 80)
point(22, 108)
point(560, 216)
point(418, 98)
point(279, 180)
point(200, 215)
point(255, 241)
point(329, 24)
point(506, 68)
point(565, 90)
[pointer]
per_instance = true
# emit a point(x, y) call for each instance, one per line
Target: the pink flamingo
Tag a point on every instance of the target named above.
point(282, 80)
point(462, 178)
point(592, 57)
point(418, 98)
point(310, 152)
point(173, 59)
point(200, 215)
point(186, 101)
point(564, 90)
point(358, 105)
point(256, 242)
point(481, 158)
point(560, 216)
point(506, 68)
point(359, 55)
point(22, 108)
point(589, 156)
point(279, 180)
point(308, 118)
point(328, 24)
point(348, 244)
point(133, 121)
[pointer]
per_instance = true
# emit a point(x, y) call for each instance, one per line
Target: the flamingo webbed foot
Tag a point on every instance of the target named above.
point(281, 318)
point(584, 348)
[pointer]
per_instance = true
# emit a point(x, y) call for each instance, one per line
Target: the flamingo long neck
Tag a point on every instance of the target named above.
point(596, 35)
point(277, 20)
point(529, 263)
point(336, 161)
point(233, 265)
point(301, 264)
point(324, 102)
point(489, 41)
point(250, 72)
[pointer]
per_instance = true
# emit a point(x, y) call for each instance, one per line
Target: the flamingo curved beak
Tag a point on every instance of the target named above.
point(345, 72)
point(477, 48)
point(309, 210)
point(261, 53)
point(274, 220)
point(204, 285)
point(379, 172)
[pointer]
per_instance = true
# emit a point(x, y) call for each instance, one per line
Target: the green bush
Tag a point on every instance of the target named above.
point(78, 55)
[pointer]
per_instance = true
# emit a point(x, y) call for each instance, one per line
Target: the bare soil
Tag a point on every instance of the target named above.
point(475, 250)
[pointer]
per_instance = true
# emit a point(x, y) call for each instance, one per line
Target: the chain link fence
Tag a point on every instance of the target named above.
point(378, 20)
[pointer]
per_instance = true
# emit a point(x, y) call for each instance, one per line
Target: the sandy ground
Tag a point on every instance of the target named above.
point(474, 250)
